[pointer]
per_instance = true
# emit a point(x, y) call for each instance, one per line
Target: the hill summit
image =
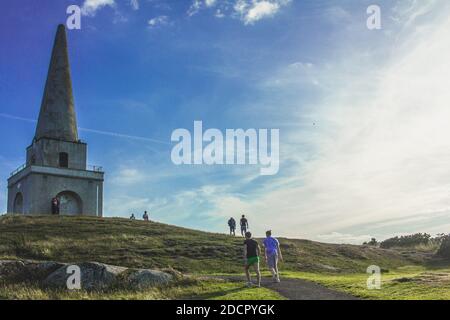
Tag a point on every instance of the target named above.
point(140, 244)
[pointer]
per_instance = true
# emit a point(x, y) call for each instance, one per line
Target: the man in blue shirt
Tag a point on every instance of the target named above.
point(273, 253)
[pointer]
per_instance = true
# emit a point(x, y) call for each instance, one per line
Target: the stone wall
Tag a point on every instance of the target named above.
point(45, 152)
point(39, 185)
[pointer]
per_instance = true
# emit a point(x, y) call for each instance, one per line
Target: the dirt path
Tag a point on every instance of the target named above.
point(298, 289)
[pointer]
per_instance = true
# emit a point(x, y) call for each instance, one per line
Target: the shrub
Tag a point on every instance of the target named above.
point(372, 242)
point(444, 249)
point(406, 241)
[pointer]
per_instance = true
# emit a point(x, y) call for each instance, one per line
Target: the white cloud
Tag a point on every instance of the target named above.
point(90, 7)
point(336, 237)
point(337, 14)
point(380, 145)
point(295, 74)
point(194, 8)
point(408, 11)
point(198, 5)
point(255, 10)
point(134, 4)
point(158, 21)
point(128, 176)
point(123, 206)
point(258, 11)
point(219, 14)
point(248, 11)
point(210, 3)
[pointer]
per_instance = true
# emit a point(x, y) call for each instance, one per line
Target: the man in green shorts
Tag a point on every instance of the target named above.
point(251, 257)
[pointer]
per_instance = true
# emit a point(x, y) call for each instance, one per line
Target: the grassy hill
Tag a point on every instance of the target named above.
point(406, 272)
point(154, 245)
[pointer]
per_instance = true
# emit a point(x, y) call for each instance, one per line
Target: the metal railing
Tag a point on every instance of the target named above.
point(95, 168)
point(89, 168)
point(18, 169)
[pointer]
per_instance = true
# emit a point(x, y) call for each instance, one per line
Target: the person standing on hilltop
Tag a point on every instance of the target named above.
point(251, 258)
point(272, 254)
point(145, 216)
point(132, 217)
point(244, 225)
point(232, 225)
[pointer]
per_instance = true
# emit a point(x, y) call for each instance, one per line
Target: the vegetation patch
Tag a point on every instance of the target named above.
point(407, 283)
point(151, 245)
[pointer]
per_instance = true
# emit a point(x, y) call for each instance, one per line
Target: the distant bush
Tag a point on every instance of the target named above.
point(407, 241)
point(372, 242)
point(444, 249)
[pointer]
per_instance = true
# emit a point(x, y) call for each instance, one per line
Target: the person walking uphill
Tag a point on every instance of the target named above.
point(244, 225)
point(251, 258)
point(232, 225)
point(272, 253)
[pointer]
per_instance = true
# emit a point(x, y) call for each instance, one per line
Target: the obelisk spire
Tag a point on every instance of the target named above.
point(57, 118)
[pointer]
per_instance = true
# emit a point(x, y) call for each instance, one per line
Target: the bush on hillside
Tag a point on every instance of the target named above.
point(406, 241)
point(444, 249)
point(372, 242)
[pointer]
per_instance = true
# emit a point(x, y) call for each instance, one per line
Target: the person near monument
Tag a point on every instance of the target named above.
point(145, 216)
point(251, 258)
point(244, 225)
point(132, 217)
point(272, 254)
point(232, 225)
point(55, 206)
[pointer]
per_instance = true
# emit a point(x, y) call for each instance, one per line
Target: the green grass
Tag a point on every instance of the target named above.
point(193, 289)
point(406, 283)
point(407, 273)
point(141, 244)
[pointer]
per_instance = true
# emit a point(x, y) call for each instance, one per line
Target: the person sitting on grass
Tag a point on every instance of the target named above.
point(272, 253)
point(251, 258)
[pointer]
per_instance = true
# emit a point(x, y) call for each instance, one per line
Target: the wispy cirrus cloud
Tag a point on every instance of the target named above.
point(377, 153)
point(102, 132)
point(337, 237)
point(408, 11)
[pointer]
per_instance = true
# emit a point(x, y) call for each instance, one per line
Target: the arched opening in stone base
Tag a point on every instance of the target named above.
point(70, 203)
point(18, 203)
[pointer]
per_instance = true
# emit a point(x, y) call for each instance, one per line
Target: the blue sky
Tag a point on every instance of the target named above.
point(362, 113)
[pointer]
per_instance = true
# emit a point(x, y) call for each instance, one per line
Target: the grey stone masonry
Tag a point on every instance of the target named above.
point(56, 161)
point(57, 119)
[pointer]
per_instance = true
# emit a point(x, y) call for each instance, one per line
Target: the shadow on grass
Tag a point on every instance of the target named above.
point(215, 294)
